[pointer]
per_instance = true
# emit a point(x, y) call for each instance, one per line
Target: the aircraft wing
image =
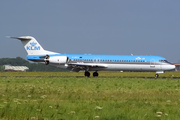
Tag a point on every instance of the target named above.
point(76, 67)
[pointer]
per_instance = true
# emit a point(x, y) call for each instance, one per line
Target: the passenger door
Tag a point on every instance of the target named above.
point(152, 63)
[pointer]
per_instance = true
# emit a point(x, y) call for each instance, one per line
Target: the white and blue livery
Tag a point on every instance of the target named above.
point(77, 62)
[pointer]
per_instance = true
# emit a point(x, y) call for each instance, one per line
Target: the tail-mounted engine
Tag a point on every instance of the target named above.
point(56, 59)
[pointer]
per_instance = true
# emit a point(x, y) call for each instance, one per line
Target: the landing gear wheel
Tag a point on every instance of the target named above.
point(46, 62)
point(95, 74)
point(87, 74)
point(156, 75)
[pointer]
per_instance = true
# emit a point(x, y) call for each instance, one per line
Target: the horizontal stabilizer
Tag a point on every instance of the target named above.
point(20, 38)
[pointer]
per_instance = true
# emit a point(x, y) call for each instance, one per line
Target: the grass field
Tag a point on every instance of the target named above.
point(71, 98)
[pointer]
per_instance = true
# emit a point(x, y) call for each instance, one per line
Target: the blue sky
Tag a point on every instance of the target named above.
point(119, 27)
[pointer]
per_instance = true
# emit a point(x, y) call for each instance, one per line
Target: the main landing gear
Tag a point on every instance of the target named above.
point(87, 74)
point(95, 74)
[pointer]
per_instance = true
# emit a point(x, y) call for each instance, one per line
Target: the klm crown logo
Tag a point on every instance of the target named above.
point(33, 46)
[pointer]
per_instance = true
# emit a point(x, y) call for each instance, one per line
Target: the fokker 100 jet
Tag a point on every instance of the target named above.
point(77, 62)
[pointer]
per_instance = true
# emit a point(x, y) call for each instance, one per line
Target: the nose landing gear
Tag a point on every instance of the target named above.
point(156, 75)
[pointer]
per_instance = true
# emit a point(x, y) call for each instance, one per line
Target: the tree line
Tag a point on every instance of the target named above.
point(18, 61)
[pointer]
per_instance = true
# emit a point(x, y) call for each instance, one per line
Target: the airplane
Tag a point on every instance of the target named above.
point(88, 62)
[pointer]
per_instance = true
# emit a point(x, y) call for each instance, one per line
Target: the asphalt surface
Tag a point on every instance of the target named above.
point(92, 77)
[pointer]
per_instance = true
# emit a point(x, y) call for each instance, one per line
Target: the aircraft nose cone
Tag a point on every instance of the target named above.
point(168, 67)
point(172, 67)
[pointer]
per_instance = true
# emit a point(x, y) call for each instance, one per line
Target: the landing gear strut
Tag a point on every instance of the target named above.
point(156, 75)
point(95, 74)
point(87, 73)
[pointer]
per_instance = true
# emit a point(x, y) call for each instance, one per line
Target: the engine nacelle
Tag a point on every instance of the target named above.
point(58, 59)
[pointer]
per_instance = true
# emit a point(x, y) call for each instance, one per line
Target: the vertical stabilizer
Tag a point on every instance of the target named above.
point(31, 46)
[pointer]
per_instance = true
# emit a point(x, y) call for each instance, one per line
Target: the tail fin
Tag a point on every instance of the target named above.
point(32, 47)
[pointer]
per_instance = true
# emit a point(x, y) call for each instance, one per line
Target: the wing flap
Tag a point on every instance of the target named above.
point(88, 65)
point(76, 67)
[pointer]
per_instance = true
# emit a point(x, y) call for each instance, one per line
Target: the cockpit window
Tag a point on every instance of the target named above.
point(165, 61)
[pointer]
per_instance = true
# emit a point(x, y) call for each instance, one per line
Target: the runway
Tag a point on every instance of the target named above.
point(89, 77)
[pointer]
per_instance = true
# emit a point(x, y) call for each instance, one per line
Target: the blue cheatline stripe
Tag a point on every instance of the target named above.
point(146, 58)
